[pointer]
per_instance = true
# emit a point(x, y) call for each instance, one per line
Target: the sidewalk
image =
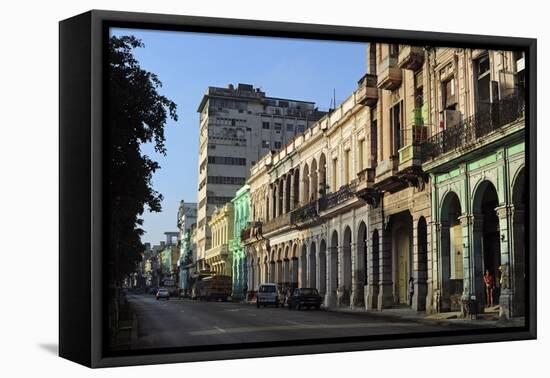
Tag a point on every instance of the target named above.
point(489, 319)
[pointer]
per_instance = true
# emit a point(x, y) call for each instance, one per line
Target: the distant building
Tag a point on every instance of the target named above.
point(238, 125)
point(187, 219)
point(218, 259)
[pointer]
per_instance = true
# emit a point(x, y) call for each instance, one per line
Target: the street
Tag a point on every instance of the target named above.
point(183, 322)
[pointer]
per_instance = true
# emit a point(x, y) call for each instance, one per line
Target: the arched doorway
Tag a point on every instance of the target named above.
point(322, 175)
point(345, 285)
point(288, 197)
point(312, 265)
point(451, 257)
point(313, 174)
point(322, 268)
point(296, 194)
point(401, 234)
point(279, 269)
point(280, 189)
point(305, 185)
point(361, 263)
point(421, 285)
point(486, 237)
point(333, 266)
point(518, 253)
point(294, 267)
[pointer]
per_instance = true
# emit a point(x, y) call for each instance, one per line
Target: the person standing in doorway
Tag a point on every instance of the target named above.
point(489, 282)
point(411, 290)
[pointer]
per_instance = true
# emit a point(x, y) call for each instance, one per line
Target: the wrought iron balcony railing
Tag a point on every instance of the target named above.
point(304, 213)
point(276, 223)
point(490, 117)
point(342, 195)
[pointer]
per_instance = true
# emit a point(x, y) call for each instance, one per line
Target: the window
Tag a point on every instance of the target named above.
point(226, 160)
point(227, 180)
point(278, 126)
point(395, 121)
point(448, 94)
point(213, 200)
point(290, 127)
point(266, 125)
point(373, 137)
point(347, 167)
point(394, 50)
point(277, 145)
point(265, 144)
point(301, 128)
point(483, 81)
point(334, 174)
point(361, 164)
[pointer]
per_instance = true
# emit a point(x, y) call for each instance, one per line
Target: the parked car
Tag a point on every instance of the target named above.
point(153, 290)
point(304, 297)
point(163, 293)
point(268, 294)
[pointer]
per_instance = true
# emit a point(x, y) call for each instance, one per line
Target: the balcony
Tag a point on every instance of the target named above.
point(410, 57)
point(332, 200)
point(367, 92)
point(305, 215)
point(280, 222)
point(251, 232)
point(389, 76)
point(468, 132)
point(365, 187)
point(220, 251)
point(386, 175)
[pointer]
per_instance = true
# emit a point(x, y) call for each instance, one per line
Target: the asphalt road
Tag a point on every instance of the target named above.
point(183, 322)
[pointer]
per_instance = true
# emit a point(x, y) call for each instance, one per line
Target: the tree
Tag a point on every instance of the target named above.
point(137, 114)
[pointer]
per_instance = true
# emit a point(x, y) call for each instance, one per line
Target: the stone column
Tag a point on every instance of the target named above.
point(468, 286)
point(476, 261)
point(420, 270)
point(385, 294)
point(371, 294)
point(357, 278)
point(318, 283)
point(518, 263)
point(444, 268)
point(506, 298)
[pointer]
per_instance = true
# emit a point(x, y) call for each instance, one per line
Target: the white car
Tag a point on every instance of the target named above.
point(163, 293)
point(268, 294)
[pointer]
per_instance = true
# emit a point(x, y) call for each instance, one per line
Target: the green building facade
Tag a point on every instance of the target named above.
point(241, 208)
point(478, 216)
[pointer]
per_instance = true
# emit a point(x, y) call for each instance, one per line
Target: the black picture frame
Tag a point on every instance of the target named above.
point(81, 101)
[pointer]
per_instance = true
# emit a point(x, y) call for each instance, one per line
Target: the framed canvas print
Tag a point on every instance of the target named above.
point(235, 188)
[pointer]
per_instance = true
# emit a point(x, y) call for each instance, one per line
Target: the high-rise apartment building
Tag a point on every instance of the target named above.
point(238, 125)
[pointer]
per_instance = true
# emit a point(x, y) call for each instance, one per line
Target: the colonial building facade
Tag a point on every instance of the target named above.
point(241, 212)
point(407, 192)
point(218, 259)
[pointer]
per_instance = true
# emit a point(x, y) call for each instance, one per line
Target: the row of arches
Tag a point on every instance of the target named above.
point(296, 188)
point(484, 238)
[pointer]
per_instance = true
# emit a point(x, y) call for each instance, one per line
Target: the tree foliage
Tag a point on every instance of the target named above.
point(137, 114)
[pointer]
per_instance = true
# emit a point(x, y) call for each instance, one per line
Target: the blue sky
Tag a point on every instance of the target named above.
point(187, 63)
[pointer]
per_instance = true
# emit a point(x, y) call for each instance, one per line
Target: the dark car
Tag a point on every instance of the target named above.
point(304, 298)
